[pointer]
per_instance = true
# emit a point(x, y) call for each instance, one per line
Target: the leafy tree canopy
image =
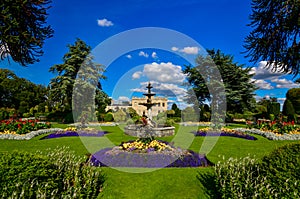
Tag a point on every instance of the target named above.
point(276, 34)
point(78, 79)
point(19, 93)
point(236, 79)
point(23, 29)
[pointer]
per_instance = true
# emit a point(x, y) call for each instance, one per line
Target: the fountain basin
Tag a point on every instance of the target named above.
point(145, 131)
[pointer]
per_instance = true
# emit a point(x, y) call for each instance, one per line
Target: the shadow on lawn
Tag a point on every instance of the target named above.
point(207, 179)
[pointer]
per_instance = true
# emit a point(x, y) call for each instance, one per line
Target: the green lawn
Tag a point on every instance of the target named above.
point(161, 183)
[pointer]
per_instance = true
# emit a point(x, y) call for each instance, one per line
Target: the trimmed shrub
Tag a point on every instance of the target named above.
point(273, 108)
point(288, 110)
point(120, 116)
point(282, 169)
point(108, 117)
point(278, 175)
point(52, 174)
point(293, 95)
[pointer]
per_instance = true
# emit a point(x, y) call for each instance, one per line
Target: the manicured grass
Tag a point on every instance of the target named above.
point(161, 183)
point(58, 125)
point(166, 183)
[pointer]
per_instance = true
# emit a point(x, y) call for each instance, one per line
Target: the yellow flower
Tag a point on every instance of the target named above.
point(70, 129)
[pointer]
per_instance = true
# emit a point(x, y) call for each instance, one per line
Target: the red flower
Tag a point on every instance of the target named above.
point(144, 120)
point(19, 126)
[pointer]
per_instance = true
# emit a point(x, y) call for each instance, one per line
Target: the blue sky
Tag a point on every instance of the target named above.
point(218, 24)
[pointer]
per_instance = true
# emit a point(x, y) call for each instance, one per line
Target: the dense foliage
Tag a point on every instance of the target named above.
point(21, 95)
point(276, 34)
point(276, 175)
point(52, 174)
point(23, 29)
point(293, 95)
point(288, 110)
point(282, 169)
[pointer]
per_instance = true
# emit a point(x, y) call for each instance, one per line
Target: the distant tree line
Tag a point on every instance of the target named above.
point(22, 98)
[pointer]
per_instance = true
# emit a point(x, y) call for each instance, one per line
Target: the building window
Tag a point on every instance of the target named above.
point(163, 104)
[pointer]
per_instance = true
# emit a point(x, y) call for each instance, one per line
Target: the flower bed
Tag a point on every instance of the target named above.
point(22, 126)
point(71, 131)
point(277, 127)
point(96, 124)
point(274, 130)
point(149, 153)
point(27, 136)
point(224, 132)
point(270, 135)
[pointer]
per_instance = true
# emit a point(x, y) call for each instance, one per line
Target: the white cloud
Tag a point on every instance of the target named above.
point(137, 75)
point(164, 72)
point(123, 99)
point(104, 23)
point(164, 89)
point(174, 48)
point(261, 72)
point(154, 55)
point(129, 56)
point(284, 83)
point(142, 53)
point(262, 84)
point(264, 77)
point(192, 50)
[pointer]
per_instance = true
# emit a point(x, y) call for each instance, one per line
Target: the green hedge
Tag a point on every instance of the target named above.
point(277, 175)
point(52, 174)
point(282, 169)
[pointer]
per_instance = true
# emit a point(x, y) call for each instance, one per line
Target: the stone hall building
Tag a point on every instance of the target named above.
point(161, 105)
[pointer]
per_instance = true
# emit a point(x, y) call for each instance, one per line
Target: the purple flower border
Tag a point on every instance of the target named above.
point(111, 157)
point(75, 134)
point(237, 135)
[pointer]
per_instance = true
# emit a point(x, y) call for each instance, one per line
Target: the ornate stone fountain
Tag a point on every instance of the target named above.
point(149, 128)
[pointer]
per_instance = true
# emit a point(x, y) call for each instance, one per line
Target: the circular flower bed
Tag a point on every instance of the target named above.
point(224, 132)
point(149, 153)
point(72, 131)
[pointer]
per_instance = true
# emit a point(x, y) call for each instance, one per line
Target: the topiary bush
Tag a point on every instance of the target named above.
point(51, 174)
point(108, 117)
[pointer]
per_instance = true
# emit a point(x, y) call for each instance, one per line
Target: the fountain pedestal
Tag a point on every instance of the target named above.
point(148, 129)
point(144, 131)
